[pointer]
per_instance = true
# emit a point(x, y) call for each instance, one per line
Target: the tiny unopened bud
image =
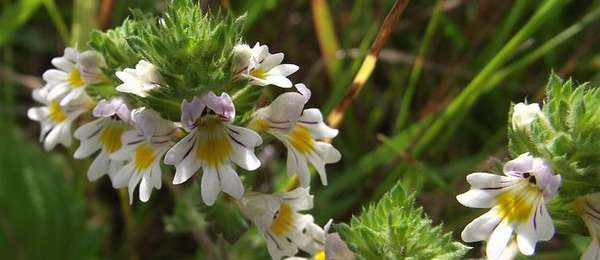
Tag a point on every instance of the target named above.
point(242, 57)
point(524, 114)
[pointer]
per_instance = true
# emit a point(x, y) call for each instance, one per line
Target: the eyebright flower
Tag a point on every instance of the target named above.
point(262, 67)
point(588, 207)
point(280, 222)
point(524, 114)
point(213, 144)
point(139, 81)
point(299, 131)
point(56, 119)
point(144, 149)
point(103, 134)
point(518, 201)
point(75, 71)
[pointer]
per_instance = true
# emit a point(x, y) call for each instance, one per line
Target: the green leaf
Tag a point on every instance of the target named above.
point(41, 215)
point(394, 228)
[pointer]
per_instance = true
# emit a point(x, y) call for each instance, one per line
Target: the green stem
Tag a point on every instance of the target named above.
point(57, 20)
point(415, 72)
point(480, 83)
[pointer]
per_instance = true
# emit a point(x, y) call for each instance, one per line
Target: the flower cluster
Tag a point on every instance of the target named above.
point(131, 142)
point(519, 200)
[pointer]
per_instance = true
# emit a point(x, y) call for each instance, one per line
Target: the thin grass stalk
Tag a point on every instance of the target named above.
point(337, 115)
point(326, 36)
point(477, 86)
point(417, 67)
point(57, 19)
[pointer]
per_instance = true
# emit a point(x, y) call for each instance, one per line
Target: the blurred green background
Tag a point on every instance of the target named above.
point(434, 110)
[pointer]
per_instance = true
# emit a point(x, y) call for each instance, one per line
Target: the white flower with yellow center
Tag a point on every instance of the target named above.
point(103, 134)
point(213, 144)
point(75, 71)
point(56, 120)
point(588, 208)
point(141, 80)
point(262, 67)
point(299, 131)
point(518, 201)
point(278, 219)
point(524, 114)
point(144, 149)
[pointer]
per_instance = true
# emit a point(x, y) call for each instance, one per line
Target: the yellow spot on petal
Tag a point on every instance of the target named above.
point(144, 156)
point(320, 255)
point(301, 139)
point(517, 204)
point(259, 124)
point(283, 220)
point(55, 112)
point(110, 137)
point(75, 79)
point(259, 73)
point(213, 145)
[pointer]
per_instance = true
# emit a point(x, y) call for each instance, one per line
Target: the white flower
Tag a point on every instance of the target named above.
point(213, 144)
point(103, 134)
point(524, 114)
point(299, 131)
point(75, 71)
point(262, 67)
point(518, 201)
point(139, 81)
point(56, 120)
point(144, 149)
point(279, 221)
point(588, 208)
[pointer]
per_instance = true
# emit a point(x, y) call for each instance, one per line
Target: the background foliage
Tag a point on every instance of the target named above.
point(434, 110)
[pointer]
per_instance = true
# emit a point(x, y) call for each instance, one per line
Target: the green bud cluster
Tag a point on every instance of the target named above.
point(567, 135)
point(191, 48)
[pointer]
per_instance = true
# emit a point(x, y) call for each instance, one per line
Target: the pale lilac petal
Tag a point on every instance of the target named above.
point(221, 105)
point(519, 165)
point(191, 111)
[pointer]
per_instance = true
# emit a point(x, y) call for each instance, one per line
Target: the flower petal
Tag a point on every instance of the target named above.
point(222, 105)
point(283, 70)
point(271, 61)
point(499, 239)
point(133, 182)
point(299, 199)
point(122, 177)
point(145, 187)
point(230, 182)
point(519, 165)
point(481, 228)
point(210, 186)
point(278, 80)
point(483, 180)
point(476, 198)
point(296, 164)
point(98, 167)
point(544, 227)
point(313, 120)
